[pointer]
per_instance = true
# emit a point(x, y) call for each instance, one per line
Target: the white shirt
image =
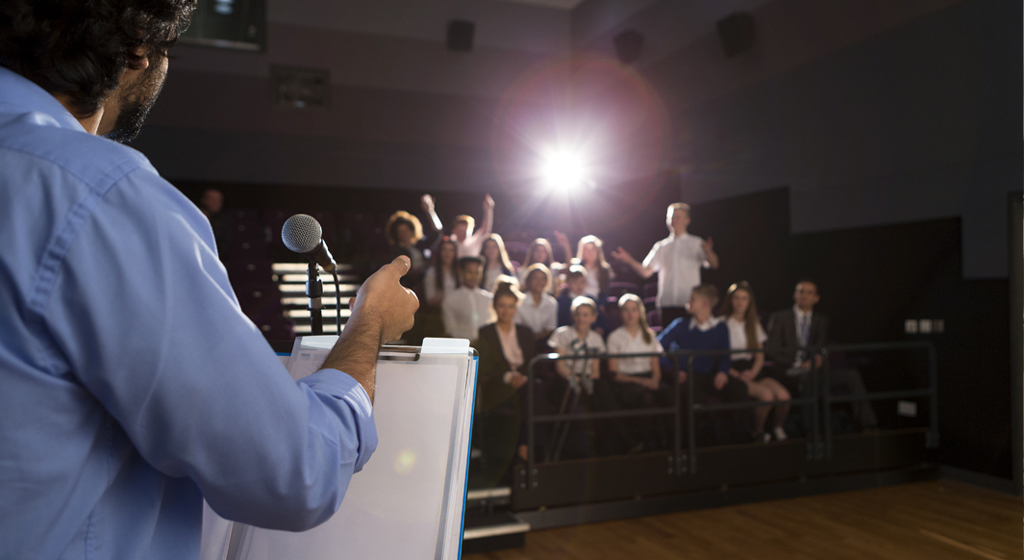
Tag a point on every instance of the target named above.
point(464, 311)
point(539, 317)
point(430, 284)
point(706, 326)
point(510, 346)
point(491, 275)
point(621, 342)
point(677, 259)
point(738, 338)
point(567, 341)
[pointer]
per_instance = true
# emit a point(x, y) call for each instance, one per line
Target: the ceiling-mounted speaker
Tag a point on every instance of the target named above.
point(460, 35)
point(737, 33)
point(629, 45)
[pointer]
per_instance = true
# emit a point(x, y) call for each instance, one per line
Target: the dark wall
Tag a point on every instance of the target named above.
point(921, 121)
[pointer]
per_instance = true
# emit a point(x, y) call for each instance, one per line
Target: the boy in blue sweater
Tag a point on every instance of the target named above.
point(702, 331)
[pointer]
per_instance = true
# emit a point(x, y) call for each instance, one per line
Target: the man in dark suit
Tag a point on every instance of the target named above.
point(794, 328)
point(799, 327)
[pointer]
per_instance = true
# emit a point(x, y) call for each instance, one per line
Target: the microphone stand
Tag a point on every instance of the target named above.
point(315, 292)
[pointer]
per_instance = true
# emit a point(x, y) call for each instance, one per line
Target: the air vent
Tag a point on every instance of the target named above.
point(300, 88)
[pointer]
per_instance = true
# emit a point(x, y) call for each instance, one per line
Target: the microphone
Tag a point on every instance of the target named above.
point(302, 233)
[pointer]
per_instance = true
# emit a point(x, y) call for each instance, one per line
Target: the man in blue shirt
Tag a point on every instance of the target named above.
point(131, 385)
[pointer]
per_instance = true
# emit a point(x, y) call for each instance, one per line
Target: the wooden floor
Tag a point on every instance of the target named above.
point(928, 521)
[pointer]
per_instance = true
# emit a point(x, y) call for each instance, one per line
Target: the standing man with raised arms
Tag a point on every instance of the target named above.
point(677, 259)
point(133, 385)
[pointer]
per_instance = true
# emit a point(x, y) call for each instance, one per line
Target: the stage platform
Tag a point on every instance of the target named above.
point(931, 520)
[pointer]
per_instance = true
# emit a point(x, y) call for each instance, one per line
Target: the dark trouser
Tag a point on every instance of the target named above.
point(843, 382)
point(669, 314)
point(729, 426)
point(630, 395)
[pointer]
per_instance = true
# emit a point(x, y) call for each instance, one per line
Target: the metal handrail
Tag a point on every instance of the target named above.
point(821, 447)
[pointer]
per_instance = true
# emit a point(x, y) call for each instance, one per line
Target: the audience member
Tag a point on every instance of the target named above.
point(211, 202)
point(576, 286)
point(702, 331)
point(496, 261)
point(404, 233)
point(505, 352)
point(583, 374)
point(470, 241)
point(590, 254)
point(540, 252)
point(745, 333)
point(794, 337)
point(467, 308)
point(636, 381)
point(677, 259)
point(442, 277)
point(539, 310)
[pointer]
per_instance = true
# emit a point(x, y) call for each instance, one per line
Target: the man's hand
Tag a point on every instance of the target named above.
point(720, 380)
point(623, 255)
point(708, 245)
point(383, 299)
point(518, 380)
point(488, 202)
point(381, 311)
point(427, 202)
point(682, 377)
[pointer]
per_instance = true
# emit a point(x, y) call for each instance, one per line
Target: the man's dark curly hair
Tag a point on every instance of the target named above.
point(80, 48)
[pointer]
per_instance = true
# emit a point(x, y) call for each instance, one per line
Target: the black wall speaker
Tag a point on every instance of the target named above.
point(460, 35)
point(628, 45)
point(737, 33)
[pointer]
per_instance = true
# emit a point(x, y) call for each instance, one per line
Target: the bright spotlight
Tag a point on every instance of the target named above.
point(562, 169)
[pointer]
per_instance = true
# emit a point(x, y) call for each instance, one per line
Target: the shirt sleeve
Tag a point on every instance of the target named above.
point(652, 261)
point(145, 319)
point(702, 257)
point(761, 335)
point(551, 315)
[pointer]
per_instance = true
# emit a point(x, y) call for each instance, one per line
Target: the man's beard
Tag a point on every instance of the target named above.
point(135, 104)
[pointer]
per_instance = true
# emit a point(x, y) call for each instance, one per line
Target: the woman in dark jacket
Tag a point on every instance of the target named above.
point(505, 352)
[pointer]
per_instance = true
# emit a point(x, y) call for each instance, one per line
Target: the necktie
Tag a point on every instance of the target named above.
point(805, 330)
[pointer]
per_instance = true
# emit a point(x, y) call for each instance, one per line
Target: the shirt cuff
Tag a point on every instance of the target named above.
point(349, 392)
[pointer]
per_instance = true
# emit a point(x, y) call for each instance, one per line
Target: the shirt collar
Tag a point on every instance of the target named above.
point(800, 313)
point(706, 326)
point(23, 95)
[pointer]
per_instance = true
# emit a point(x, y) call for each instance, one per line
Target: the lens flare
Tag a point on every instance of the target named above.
point(562, 169)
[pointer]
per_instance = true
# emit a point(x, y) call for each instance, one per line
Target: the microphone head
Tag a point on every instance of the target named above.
point(301, 233)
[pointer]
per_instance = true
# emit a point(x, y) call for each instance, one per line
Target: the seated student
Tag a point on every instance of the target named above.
point(496, 261)
point(590, 254)
point(505, 352)
point(440, 279)
point(539, 310)
point(539, 252)
point(467, 308)
point(636, 382)
point(702, 331)
point(575, 285)
point(792, 330)
point(583, 375)
point(745, 333)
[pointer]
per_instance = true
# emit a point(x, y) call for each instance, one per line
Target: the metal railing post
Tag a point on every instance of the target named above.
point(691, 454)
point(932, 440)
point(825, 404)
point(677, 430)
point(530, 428)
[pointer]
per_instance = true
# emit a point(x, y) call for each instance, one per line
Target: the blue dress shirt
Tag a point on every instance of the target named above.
point(131, 384)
